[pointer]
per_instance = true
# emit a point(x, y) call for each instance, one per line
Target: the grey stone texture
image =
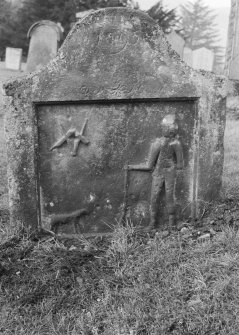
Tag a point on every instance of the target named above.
point(44, 37)
point(73, 127)
point(232, 50)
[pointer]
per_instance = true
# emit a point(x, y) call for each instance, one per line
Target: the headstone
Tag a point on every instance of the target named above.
point(13, 59)
point(203, 59)
point(232, 50)
point(115, 128)
point(44, 40)
point(188, 56)
point(176, 41)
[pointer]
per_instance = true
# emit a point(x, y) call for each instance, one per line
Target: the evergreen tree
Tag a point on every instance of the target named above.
point(15, 22)
point(31, 11)
point(167, 19)
point(198, 25)
point(6, 29)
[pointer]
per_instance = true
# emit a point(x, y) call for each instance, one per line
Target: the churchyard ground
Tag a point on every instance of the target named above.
point(131, 284)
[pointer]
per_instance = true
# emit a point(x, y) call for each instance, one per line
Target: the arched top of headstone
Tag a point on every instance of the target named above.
point(117, 53)
point(47, 23)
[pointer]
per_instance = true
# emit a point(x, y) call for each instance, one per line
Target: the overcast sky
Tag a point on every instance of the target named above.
point(222, 13)
point(145, 4)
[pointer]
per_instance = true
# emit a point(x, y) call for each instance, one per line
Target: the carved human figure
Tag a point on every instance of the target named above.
point(165, 157)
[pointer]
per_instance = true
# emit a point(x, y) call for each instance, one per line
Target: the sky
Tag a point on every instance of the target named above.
point(222, 11)
point(145, 4)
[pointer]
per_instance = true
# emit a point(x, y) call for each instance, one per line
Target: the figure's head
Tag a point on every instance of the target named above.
point(169, 125)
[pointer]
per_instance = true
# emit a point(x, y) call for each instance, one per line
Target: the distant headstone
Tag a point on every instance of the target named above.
point(203, 59)
point(116, 127)
point(44, 40)
point(13, 59)
point(188, 56)
point(176, 41)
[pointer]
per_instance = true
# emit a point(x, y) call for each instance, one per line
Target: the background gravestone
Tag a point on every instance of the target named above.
point(45, 37)
point(203, 59)
point(74, 127)
point(13, 59)
point(176, 41)
point(188, 56)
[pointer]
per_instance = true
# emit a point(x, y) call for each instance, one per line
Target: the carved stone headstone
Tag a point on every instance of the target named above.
point(203, 59)
point(44, 37)
point(116, 127)
point(176, 41)
point(188, 56)
point(13, 59)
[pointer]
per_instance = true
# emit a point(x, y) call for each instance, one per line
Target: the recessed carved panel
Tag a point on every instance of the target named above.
point(91, 189)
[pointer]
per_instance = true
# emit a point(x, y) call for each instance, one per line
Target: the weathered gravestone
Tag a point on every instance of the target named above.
point(44, 37)
point(115, 127)
point(13, 59)
point(203, 59)
point(176, 41)
point(188, 56)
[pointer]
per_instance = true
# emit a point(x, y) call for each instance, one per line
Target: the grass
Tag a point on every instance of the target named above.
point(129, 285)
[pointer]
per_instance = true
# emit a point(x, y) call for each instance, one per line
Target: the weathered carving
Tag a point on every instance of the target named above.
point(111, 40)
point(79, 137)
point(166, 155)
point(65, 219)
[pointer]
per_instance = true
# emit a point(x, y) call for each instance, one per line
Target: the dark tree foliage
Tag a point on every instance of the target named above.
point(167, 19)
point(30, 11)
point(6, 28)
point(35, 10)
point(15, 22)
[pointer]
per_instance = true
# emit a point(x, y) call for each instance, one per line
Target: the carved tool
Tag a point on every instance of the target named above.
point(79, 137)
point(63, 139)
point(126, 188)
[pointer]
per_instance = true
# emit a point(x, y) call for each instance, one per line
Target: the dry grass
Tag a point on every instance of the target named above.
point(133, 285)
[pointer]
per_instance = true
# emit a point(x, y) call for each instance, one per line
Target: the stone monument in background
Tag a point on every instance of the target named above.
point(176, 41)
point(232, 51)
point(203, 59)
point(13, 59)
point(117, 127)
point(44, 41)
point(188, 56)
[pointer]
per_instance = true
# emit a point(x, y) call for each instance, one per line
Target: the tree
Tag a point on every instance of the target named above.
point(31, 11)
point(167, 19)
point(198, 26)
point(6, 29)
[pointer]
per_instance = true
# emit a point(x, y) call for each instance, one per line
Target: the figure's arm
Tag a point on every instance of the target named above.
point(179, 154)
point(153, 155)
